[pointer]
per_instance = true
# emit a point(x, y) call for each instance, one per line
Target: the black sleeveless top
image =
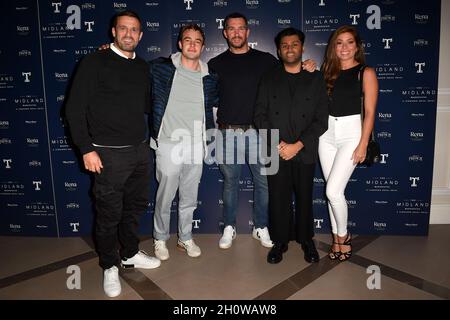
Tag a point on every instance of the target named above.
point(345, 99)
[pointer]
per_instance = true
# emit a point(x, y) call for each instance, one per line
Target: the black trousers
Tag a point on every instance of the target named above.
point(121, 193)
point(293, 178)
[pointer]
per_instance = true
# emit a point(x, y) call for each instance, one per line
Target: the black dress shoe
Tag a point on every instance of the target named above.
point(311, 254)
point(276, 253)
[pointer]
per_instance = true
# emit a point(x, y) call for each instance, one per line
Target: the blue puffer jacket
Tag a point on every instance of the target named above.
point(162, 72)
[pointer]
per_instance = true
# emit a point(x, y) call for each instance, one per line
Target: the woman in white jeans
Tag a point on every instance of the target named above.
point(344, 144)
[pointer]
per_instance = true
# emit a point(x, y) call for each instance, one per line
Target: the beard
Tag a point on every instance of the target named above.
point(238, 45)
point(128, 47)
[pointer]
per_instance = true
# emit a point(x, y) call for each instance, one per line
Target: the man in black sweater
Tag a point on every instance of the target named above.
point(105, 111)
point(294, 103)
point(239, 70)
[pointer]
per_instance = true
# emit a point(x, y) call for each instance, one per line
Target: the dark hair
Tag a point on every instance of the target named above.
point(192, 26)
point(289, 32)
point(331, 65)
point(126, 13)
point(235, 15)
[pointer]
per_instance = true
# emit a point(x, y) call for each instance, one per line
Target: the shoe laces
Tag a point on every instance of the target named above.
point(188, 243)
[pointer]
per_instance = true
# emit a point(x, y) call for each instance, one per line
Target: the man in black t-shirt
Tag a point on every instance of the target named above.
point(105, 111)
point(239, 69)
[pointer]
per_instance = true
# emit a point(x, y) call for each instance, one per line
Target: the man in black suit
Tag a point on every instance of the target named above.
point(295, 103)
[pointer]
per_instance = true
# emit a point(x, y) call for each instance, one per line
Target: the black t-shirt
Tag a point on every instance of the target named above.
point(239, 75)
point(293, 80)
point(346, 95)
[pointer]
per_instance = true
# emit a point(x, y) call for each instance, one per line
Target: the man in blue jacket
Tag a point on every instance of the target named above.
point(183, 93)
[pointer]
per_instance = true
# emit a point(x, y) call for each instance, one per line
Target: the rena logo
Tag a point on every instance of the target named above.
point(384, 156)
point(419, 66)
point(70, 184)
point(23, 29)
point(414, 181)
point(7, 163)
point(61, 76)
point(284, 22)
point(421, 18)
point(188, 4)
point(196, 223)
point(384, 116)
point(373, 21)
point(318, 223)
point(152, 24)
point(379, 224)
point(32, 140)
point(119, 5)
point(253, 44)
point(387, 42)
point(219, 22)
point(322, 3)
point(75, 226)
point(416, 135)
point(27, 76)
point(37, 185)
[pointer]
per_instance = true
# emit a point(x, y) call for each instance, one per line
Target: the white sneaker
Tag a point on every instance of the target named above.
point(161, 251)
point(229, 234)
point(111, 282)
point(190, 247)
point(141, 260)
point(262, 234)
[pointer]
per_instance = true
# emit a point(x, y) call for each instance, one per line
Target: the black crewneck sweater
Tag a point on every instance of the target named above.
point(107, 101)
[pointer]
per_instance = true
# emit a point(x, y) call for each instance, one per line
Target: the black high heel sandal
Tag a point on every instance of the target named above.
point(348, 242)
point(333, 255)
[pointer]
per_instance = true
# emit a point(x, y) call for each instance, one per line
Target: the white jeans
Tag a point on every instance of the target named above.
point(336, 147)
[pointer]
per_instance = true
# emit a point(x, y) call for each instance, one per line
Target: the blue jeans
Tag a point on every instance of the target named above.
point(242, 148)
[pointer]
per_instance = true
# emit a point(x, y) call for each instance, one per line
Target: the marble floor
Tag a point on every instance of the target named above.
point(410, 268)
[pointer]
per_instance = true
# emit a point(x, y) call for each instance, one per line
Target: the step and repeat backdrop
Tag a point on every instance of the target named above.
point(45, 192)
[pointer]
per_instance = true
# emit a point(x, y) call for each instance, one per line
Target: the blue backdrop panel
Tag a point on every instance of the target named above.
point(27, 200)
point(44, 189)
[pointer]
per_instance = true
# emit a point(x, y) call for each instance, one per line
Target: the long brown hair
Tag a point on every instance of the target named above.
point(331, 65)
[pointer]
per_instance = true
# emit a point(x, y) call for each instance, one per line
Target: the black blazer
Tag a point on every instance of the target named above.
point(303, 117)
